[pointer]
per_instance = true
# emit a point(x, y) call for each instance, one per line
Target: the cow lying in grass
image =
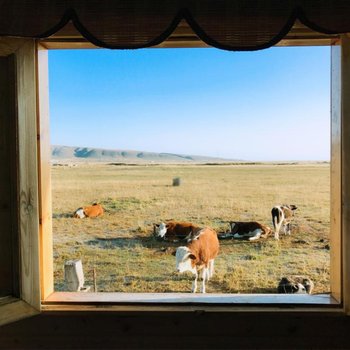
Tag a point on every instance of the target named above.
point(295, 285)
point(251, 230)
point(198, 256)
point(91, 211)
point(174, 231)
point(282, 215)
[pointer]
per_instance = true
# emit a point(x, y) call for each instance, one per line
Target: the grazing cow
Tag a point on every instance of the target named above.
point(198, 256)
point(91, 211)
point(282, 215)
point(295, 285)
point(251, 229)
point(174, 231)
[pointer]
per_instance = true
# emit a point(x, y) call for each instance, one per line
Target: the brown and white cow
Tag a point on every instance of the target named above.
point(198, 256)
point(91, 211)
point(174, 231)
point(282, 215)
point(248, 229)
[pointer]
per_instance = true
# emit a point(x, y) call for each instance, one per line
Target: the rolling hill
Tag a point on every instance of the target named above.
point(88, 154)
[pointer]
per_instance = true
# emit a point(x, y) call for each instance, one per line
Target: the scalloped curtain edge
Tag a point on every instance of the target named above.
point(184, 14)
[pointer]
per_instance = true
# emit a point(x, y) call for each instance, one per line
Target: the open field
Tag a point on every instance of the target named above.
point(127, 258)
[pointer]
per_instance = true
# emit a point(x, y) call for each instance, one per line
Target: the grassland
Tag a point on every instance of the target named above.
point(127, 258)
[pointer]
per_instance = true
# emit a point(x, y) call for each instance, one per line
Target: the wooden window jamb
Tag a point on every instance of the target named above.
point(26, 301)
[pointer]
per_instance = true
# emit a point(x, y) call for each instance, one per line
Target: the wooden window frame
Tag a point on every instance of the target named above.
point(24, 103)
point(35, 218)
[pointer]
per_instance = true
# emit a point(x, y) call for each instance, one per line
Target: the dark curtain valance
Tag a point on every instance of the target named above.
point(128, 24)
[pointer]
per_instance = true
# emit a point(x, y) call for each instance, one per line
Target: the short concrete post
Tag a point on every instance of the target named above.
point(73, 275)
point(176, 181)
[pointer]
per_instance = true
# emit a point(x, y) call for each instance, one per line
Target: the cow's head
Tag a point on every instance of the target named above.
point(184, 260)
point(298, 288)
point(290, 287)
point(159, 230)
point(79, 213)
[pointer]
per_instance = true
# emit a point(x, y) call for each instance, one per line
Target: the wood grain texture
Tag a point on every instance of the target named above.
point(28, 173)
point(10, 45)
point(196, 330)
point(6, 252)
point(345, 183)
point(44, 157)
point(15, 310)
point(335, 219)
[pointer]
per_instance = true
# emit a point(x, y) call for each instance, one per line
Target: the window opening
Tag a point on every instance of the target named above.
point(239, 132)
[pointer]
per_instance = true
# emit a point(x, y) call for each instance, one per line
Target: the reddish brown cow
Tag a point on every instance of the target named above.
point(174, 231)
point(198, 256)
point(91, 211)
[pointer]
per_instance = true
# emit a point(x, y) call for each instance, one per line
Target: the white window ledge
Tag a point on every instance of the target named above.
point(71, 300)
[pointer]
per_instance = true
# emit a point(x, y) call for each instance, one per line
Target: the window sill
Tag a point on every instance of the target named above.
point(14, 309)
point(67, 301)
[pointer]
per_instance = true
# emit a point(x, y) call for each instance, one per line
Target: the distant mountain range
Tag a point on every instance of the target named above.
point(88, 154)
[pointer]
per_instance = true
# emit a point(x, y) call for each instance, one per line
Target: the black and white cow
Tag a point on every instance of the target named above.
point(250, 230)
point(295, 285)
point(282, 215)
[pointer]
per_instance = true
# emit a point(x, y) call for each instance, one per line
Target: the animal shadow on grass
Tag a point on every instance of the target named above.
point(62, 215)
point(120, 242)
point(60, 286)
point(164, 278)
point(254, 290)
point(259, 290)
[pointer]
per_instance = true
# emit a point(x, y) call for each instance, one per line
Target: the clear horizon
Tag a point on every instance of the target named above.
point(269, 105)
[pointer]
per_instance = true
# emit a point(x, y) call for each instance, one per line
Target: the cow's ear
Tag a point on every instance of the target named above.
point(293, 207)
point(173, 252)
point(155, 225)
point(192, 257)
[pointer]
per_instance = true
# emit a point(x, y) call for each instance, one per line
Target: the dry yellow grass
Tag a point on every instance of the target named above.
point(121, 248)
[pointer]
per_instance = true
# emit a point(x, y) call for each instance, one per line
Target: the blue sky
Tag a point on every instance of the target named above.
point(268, 105)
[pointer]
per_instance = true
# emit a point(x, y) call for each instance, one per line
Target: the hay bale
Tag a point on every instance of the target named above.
point(176, 181)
